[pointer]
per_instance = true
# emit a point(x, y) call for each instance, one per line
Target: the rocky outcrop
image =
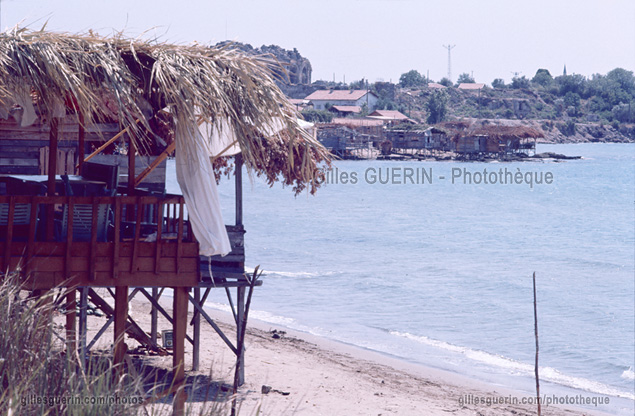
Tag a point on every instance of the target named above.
point(295, 75)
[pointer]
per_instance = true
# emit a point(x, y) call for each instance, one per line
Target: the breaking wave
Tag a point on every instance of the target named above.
point(517, 367)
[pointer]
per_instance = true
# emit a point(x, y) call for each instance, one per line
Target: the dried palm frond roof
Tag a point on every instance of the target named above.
point(507, 132)
point(217, 85)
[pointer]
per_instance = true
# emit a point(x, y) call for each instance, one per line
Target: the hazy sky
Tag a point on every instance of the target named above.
point(374, 39)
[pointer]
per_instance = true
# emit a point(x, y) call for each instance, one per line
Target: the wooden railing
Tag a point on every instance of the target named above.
point(105, 239)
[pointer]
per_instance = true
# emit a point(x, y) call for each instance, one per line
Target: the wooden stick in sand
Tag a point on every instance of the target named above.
point(536, 334)
point(243, 327)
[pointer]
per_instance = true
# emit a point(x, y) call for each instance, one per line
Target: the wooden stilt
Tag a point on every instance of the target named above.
point(71, 334)
point(240, 314)
point(154, 316)
point(178, 348)
point(121, 316)
point(239, 189)
point(196, 332)
point(81, 138)
point(83, 324)
point(52, 170)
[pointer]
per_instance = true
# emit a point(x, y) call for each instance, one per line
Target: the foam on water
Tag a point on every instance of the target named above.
point(516, 367)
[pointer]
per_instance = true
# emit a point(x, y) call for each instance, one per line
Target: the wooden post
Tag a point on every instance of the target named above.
point(240, 314)
point(83, 327)
point(196, 332)
point(81, 138)
point(121, 316)
point(71, 335)
point(154, 316)
point(179, 327)
point(239, 189)
point(131, 165)
point(536, 334)
point(52, 170)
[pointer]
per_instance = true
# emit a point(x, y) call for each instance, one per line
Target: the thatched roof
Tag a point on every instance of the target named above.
point(507, 132)
point(143, 78)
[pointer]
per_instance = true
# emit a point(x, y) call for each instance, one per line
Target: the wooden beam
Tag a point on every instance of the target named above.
point(213, 324)
point(52, 167)
point(121, 316)
point(239, 189)
point(154, 316)
point(132, 328)
point(108, 143)
point(131, 165)
point(71, 333)
point(196, 331)
point(83, 323)
point(52, 170)
point(156, 162)
point(159, 308)
point(81, 138)
point(178, 338)
point(9, 236)
point(240, 355)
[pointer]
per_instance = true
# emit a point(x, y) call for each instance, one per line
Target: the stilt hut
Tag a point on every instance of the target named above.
point(68, 221)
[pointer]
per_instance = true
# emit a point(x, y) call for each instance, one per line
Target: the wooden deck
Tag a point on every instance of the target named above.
point(136, 251)
point(122, 242)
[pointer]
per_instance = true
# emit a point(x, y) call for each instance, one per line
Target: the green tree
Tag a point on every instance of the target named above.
point(498, 83)
point(465, 78)
point(542, 77)
point(572, 99)
point(412, 78)
point(445, 82)
point(571, 83)
point(437, 107)
point(520, 82)
point(317, 116)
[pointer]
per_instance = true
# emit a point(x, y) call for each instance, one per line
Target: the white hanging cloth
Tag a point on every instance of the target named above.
point(195, 176)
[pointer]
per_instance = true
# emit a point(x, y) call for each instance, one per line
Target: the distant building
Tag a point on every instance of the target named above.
point(321, 98)
point(346, 137)
point(471, 86)
point(432, 138)
point(346, 110)
point(436, 85)
point(300, 104)
point(393, 116)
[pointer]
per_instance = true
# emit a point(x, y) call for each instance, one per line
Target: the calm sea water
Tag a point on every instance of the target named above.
point(440, 273)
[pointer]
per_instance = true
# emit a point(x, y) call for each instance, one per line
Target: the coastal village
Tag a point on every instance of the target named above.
point(353, 121)
point(389, 134)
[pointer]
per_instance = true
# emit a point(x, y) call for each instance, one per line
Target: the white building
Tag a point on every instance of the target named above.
point(321, 98)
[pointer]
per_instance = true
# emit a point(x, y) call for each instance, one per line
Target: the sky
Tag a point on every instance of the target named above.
point(378, 40)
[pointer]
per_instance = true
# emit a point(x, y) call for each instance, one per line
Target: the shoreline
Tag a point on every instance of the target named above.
point(312, 375)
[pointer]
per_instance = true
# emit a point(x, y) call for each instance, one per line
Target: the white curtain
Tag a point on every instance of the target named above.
point(195, 176)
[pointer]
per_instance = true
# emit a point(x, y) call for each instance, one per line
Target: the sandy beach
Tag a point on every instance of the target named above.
point(307, 375)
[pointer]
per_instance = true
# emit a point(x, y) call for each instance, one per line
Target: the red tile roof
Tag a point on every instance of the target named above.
point(391, 114)
point(470, 86)
point(337, 95)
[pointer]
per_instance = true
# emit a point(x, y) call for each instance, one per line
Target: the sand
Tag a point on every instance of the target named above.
point(307, 375)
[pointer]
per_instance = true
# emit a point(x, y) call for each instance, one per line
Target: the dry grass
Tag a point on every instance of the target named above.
point(37, 376)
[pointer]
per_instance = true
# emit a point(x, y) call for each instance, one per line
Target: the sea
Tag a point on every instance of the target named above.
point(432, 263)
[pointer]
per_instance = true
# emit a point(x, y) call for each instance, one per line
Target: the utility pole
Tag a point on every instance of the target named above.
point(449, 48)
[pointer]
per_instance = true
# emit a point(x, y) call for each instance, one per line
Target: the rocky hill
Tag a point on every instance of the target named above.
point(539, 109)
point(294, 77)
